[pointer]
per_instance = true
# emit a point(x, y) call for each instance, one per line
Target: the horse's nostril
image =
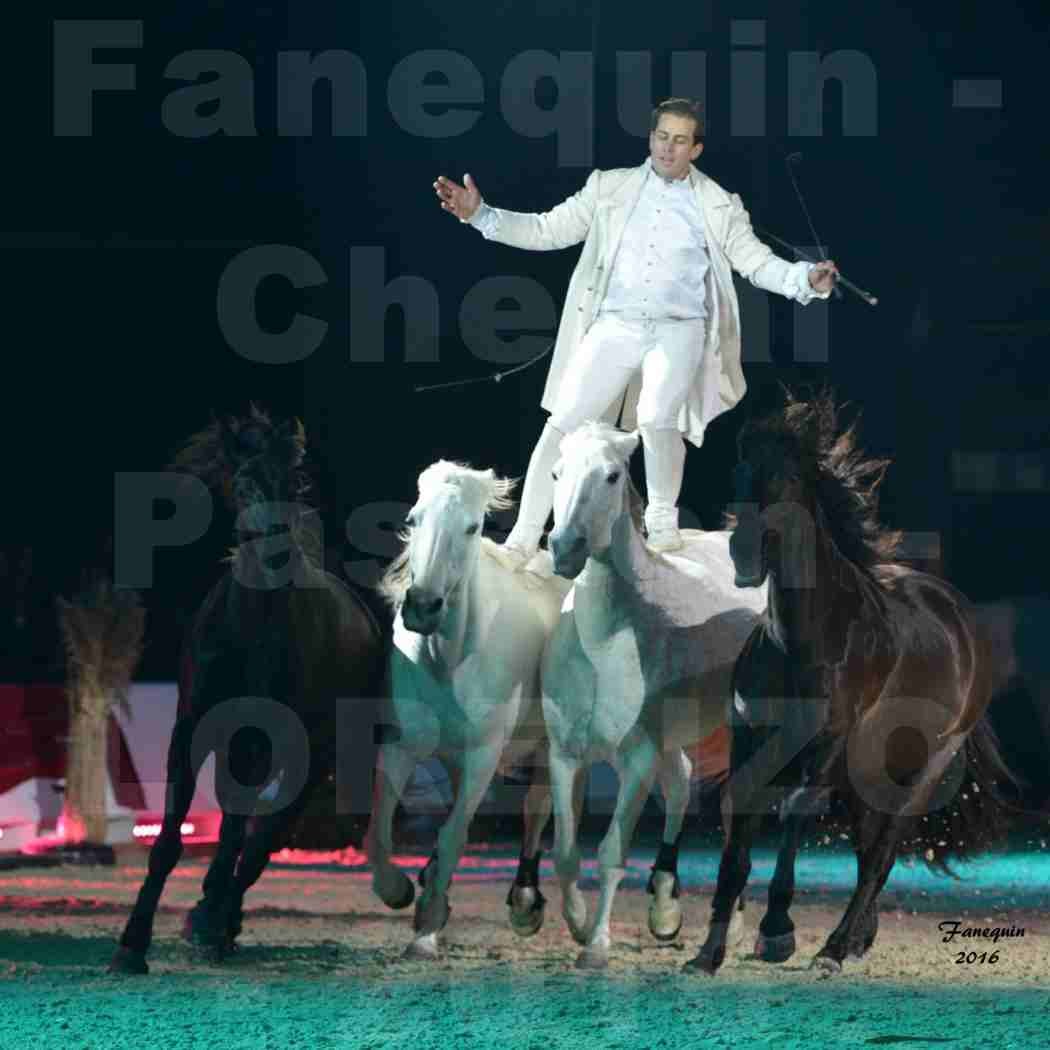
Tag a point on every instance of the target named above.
point(421, 604)
point(562, 546)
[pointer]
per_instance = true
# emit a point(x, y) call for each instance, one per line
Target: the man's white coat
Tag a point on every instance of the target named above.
point(597, 215)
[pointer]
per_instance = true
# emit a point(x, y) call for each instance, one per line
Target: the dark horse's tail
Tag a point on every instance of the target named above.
point(980, 814)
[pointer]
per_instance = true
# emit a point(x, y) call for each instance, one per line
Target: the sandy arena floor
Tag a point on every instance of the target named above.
point(320, 966)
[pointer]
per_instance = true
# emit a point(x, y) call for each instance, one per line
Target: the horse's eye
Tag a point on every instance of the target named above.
point(472, 529)
point(554, 475)
point(613, 477)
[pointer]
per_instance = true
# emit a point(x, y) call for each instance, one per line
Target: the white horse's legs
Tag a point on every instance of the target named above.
point(538, 808)
point(665, 909)
point(565, 773)
point(525, 901)
point(674, 771)
point(432, 908)
point(389, 883)
point(637, 772)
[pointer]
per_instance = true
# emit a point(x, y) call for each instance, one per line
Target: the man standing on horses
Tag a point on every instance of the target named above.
point(651, 309)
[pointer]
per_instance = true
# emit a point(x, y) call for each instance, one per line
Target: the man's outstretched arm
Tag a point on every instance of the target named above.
point(755, 260)
point(564, 225)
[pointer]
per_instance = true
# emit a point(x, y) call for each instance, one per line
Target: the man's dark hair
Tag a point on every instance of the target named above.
point(681, 107)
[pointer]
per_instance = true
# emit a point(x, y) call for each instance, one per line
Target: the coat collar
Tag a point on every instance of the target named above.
point(711, 195)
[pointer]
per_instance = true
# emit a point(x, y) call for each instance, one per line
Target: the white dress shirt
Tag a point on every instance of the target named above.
point(659, 270)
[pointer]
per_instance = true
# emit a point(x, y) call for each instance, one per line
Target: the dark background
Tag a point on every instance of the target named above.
point(114, 245)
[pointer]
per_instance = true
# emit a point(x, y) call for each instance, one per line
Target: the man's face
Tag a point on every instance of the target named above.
point(671, 145)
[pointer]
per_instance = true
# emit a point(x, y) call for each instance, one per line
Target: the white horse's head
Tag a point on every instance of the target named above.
point(589, 482)
point(443, 540)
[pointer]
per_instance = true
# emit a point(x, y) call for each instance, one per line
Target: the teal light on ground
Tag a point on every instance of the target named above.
point(995, 880)
point(1002, 880)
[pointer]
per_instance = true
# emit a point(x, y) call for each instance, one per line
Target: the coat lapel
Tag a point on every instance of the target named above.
point(621, 203)
point(713, 201)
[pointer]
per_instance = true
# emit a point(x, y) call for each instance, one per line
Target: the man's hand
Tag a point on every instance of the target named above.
point(823, 276)
point(462, 201)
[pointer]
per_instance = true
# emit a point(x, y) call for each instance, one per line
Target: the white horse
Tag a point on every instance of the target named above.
point(638, 667)
point(469, 634)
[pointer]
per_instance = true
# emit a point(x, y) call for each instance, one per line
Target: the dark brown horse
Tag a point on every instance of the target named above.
point(866, 677)
point(274, 648)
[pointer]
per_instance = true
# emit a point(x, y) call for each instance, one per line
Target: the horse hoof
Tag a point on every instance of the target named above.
point(578, 934)
point(423, 949)
point(775, 949)
point(665, 924)
point(432, 914)
point(203, 945)
point(200, 933)
point(574, 912)
point(702, 962)
point(126, 960)
point(664, 935)
point(401, 897)
point(528, 923)
point(592, 959)
point(826, 966)
point(858, 952)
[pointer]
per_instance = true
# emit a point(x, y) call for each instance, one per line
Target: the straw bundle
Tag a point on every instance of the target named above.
point(102, 628)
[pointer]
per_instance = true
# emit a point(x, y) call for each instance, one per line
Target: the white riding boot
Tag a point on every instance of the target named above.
point(664, 469)
point(537, 498)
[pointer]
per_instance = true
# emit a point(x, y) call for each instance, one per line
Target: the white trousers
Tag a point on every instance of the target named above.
point(667, 353)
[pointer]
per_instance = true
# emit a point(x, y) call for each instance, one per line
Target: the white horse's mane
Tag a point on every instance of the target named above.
point(624, 441)
point(606, 433)
point(482, 488)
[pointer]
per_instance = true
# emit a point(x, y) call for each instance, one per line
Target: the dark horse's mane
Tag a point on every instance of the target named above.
point(844, 479)
point(207, 455)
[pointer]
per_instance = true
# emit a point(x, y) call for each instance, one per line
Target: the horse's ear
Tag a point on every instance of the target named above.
point(292, 429)
point(257, 414)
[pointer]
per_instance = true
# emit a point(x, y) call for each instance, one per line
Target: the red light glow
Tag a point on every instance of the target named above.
point(151, 831)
